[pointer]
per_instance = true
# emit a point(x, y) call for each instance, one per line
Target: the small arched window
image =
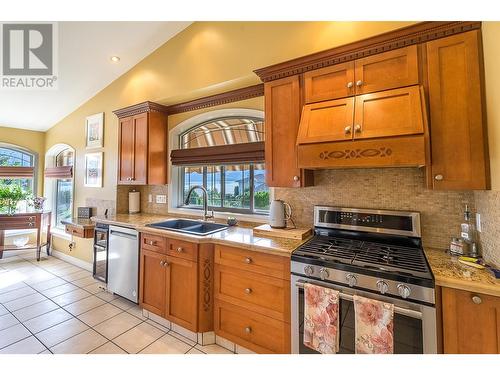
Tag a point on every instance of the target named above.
point(226, 156)
point(17, 167)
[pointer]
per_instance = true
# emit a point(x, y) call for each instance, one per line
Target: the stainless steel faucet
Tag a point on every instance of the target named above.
point(206, 215)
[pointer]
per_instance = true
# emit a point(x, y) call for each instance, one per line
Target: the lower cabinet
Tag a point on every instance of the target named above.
point(252, 299)
point(471, 322)
point(177, 288)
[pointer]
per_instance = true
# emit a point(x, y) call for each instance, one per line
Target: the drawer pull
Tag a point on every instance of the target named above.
point(248, 330)
point(349, 85)
point(248, 290)
point(30, 218)
point(359, 83)
point(30, 224)
point(179, 249)
point(248, 260)
point(477, 300)
point(152, 243)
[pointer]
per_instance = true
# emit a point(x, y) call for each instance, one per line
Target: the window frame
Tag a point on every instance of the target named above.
point(221, 208)
point(34, 158)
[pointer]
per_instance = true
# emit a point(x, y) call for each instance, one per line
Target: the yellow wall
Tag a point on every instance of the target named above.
point(491, 35)
point(32, 140)
point(206, 58)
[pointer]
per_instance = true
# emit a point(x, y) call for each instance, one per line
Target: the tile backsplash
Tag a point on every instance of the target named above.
point(385, 188)
point(146, 206)
point(488, 205)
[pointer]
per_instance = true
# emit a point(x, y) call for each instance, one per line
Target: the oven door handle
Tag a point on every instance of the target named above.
point(349, 297)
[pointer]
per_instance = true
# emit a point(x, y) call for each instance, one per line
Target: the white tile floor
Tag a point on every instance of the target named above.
point(52, 306)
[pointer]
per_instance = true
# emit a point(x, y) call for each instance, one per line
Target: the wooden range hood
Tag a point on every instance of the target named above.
point(375, 115)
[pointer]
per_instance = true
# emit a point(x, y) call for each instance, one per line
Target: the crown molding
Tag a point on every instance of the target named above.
point(218, 99)
point(140, 108)
point(414, 34)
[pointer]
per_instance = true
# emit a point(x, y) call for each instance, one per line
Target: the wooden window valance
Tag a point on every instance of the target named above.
point(59, 172)
point(237, 153)
point(16, 172)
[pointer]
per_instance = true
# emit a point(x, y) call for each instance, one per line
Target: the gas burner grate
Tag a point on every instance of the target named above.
point(330, 248)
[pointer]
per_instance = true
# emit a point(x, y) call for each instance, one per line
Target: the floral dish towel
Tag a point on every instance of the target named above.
point(374, 326)
point(321, 319)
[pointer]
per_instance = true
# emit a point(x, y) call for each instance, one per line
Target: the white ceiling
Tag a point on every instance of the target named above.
point(85, 68)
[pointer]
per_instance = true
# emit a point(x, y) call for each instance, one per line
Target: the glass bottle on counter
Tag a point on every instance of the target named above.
point(468, 232)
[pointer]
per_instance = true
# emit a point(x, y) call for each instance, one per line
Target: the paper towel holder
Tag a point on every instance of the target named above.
point(134, 202)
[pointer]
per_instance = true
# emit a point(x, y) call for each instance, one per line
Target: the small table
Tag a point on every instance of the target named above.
point(26, 220)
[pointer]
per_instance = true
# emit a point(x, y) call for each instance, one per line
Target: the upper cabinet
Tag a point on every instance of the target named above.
point(458, 128)
point(142, 144)
point(282, 113)
point(411, 97)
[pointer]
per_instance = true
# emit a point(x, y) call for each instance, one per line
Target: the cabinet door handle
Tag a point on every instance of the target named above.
point(248, 329)
point(152, 243)
point(296, 178)
point(357, 128)
point(349, 85)
point(477, 300)
point(180, 249)
point(347, 129)
point(248, 290)
point(248, 260)
point(359, 83)
point(438, 177)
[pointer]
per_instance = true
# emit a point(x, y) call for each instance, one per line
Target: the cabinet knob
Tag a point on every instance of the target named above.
point(296, 178)
point(347, 129)
point(248, 329)
point(248, 260)
point(438, 177)
point(179, 249)
point(349, 85)
point(477, 300)
point(357, 128)
point(162, 263)
point(248, 290)
point(359, 83)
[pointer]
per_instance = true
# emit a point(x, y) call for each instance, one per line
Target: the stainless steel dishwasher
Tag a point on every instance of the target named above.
point(123, 262)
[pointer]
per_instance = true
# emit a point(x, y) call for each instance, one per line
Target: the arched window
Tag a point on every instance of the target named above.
point(226, 156)
point(59, 183)
point(17, 167)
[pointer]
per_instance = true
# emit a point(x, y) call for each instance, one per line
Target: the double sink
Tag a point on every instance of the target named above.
point(199, 228)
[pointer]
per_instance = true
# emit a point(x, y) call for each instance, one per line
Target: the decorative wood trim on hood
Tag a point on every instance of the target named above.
point(140, 108)
point(238, 153)
point(218, 99)
point(414, 34)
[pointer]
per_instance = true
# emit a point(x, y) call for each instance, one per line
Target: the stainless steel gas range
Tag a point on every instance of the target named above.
point(376, 254)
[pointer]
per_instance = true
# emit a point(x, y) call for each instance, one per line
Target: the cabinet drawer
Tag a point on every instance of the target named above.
point(74, 231)
point(18, 222)
point(265, 295)
point(332, 82)
point(154, 243)
point(251, 330)
point(182, 249)
point(247, 260)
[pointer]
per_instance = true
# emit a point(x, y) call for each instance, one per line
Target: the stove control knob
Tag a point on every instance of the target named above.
point(323, 273)
point(308, 270)
point(351, 280)
point(382, 286)
point(404, 291)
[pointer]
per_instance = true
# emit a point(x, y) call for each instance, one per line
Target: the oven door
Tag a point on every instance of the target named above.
point(414, 324)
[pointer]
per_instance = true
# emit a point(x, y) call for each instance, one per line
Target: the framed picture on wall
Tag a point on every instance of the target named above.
point(94, 131)
point(93, 169)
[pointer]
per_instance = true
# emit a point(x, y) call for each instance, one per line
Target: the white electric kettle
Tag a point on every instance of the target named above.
point(279, 213)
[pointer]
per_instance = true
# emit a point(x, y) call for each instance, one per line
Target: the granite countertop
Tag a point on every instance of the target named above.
point(448, 272)
point(238, 236)
point(79, 222)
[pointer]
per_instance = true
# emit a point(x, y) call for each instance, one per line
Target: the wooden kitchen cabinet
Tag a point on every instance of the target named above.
point(389, 113)
point(152, 280)
point(470, 322)
point(282, 112)
point(142, 144)
point(387, 70)
point(332, 82)
point(176, 281)
point(328, 121)
point(182, 292)
point(457, 122)
point(252, 299)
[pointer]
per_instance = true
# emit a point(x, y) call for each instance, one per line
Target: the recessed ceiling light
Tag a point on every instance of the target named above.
point(115, 58)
